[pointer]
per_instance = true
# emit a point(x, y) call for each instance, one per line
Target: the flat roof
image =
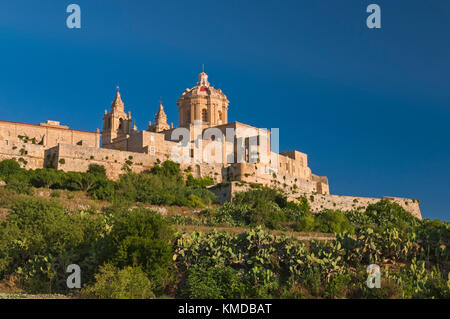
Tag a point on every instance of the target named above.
point(48, 126)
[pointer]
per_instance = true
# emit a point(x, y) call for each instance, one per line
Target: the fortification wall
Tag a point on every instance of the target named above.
point(258, 173)
point(30, 156)
point(77, 158)
point(320, 202)
point(48, 134)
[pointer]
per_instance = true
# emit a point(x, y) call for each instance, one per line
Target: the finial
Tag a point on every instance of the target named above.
point(203, 68)
point(160, 100)
point(117, 88)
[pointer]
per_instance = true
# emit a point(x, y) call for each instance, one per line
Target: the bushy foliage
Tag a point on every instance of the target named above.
point(279, 266)
point(213, 283)
point(142, 238)
point(333, 222)
point(161, 189)
point(39, 239)
point(162, 185)
point(200, 182)
point(114, 283)
point(253, 196)
point(382, 215)
point(263, 206)
point(97, 170)
point(9, 167)
point(132, 253)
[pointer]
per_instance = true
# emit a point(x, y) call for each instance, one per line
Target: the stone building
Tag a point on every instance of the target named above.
point(205, 141)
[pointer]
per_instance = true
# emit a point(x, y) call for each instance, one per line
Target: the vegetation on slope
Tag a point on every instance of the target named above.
point(126, 251)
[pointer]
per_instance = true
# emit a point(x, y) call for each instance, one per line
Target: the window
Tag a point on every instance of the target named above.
point(152, 150)
point(152, 138)
point(220, 116)
point(204, 115)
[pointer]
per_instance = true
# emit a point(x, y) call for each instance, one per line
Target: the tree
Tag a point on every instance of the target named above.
point(97, 170)
point(142, 238)
point(9, 167)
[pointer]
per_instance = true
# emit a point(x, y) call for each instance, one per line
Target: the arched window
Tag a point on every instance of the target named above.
point(220, 116)
point(120, 124)
point(204, 115)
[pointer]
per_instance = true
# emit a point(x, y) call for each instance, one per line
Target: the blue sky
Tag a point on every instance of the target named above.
point(371, 108)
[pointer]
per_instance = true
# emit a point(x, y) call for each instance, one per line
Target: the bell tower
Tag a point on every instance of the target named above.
point(116, 123)
point(160, 121)
point(203, 103)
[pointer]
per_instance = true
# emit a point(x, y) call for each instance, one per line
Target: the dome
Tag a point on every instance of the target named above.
point(203, 88)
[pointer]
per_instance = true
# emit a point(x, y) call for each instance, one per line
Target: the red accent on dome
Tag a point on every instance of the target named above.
point(203, 89)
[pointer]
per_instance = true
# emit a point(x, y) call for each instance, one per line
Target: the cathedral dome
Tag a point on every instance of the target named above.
point(203, 103)
point(203, 88)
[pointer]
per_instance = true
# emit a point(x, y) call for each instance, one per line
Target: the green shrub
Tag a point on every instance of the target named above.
point(294, 211)
point(9, 167)
point(168, 168)
point(333, 222)
point(142, 238)
point(253, 196)
point(305, 224)
point(39, 239)
point(213, 283)
point(20, 184)
point(97, 170)
point(268, 214)
point(104, 189)
point(199, 182)
point(114, 283)
point(46, 177)
point(205, 195)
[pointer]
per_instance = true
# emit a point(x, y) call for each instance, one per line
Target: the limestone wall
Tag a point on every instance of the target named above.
point(29, 156)
point(258, 173)
point(77, 158)
point(48, 134)
point(319, 202)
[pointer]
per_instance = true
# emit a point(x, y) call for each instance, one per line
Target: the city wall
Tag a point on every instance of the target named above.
point(29, 156)
point(320, 202)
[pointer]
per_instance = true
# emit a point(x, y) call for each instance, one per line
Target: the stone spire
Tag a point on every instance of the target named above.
point(160, 123)
point(117, 104)
point(116, 123)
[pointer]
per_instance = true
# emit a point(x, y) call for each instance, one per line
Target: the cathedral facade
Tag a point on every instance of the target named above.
point(229, 150)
